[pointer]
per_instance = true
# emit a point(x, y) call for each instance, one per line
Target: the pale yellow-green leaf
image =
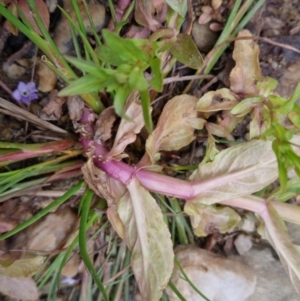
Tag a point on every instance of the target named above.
point(222, 99)
point(18, 288)
point(244, 75)
point(128, 128)
point(148, 239)
point(239, 170)
point(275, 232)
point(174, 129)
point(21, 267)
point(206, 219)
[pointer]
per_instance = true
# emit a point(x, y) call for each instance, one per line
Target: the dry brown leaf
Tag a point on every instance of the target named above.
point(21, 267)
point(75, 106)
point(173, 130)
point(244, 75)
point(104, 125)
point(144, 14)
point(219, 100)
point(108, 188)
point(53, 109)
point(48, 234)
point(128, 129)
point(47, 77)
point(19, 288)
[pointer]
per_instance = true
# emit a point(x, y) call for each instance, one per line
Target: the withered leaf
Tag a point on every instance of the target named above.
point(19, 288)
point(239, 170)
point(244, 75)
point(173, 130)
point(144, 14)
point(206, 219)
point(53, 110)
point(75, 107)
point(128, 128)
point(148, 238)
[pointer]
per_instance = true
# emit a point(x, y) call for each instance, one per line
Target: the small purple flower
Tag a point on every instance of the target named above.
point(25, 92)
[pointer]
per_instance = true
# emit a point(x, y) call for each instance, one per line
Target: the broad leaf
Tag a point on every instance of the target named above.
point(179, 6)
point(186, 52)
point(244, 75)
point(19, 288)
point(275, 232)
point(173, 130)
point(239, 170)
point(128, 128)
point(149, 240)
point(21, 267)
point(222, 99)
point(144, 16)
point(207, 219)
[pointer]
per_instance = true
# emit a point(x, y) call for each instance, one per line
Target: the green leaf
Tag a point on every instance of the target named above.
point(145, 99)
point(207, 219)
point(85, 84)
point(137, 80)
point(294, 118)
point(186, 52)
point(126, 48)
point(156, 81)
point(88, 67)
point(179, 6)
point(288, 106)
point(110, 56)
point(245, 106)
point(149, 240)
point(239, 170)
point(292, 189)
point(120, 99)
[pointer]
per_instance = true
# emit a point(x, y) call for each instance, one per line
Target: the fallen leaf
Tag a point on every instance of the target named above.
point(222, 99)
point(149, 240)
point(108, 188)
point(244, 75)
point(19, 288)
point(144, 15)
point(75, 107)
point(53, 109)
point(21, 267)
point(207, 219)
point(47, 77)
point(173, 130)
point(104, 125)
point(186, 52)
point(239, 170)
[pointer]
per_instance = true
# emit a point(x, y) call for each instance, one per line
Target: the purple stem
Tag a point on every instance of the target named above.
point(166, 185)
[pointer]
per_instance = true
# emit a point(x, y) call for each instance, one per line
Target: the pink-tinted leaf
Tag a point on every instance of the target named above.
point(222, 99)
point(239, 170)
point(19, 288)
point(173, 130)
point(275, 231)
point(207, 219)
point(148, 238)
point(128, 128)
point(42, 10)
point(244, 75)
point(144, 14)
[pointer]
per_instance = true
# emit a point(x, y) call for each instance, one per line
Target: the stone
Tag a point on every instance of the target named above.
point(218, 278)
